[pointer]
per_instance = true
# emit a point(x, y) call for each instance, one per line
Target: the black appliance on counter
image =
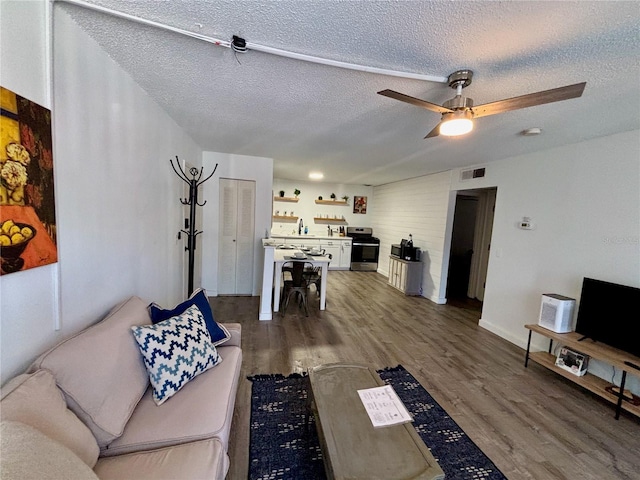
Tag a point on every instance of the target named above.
point(365, 249)
point(406, 251)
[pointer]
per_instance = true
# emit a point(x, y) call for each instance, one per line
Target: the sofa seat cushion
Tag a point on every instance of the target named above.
point(204, 459)
point(28, 454)
point(100, 370)
point(202, 409)
point(35, 400)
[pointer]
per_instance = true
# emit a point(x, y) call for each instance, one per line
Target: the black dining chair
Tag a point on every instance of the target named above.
point(314, 276)
point(297, 285)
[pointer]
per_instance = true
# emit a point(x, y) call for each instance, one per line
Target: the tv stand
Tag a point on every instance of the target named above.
point(598, 351)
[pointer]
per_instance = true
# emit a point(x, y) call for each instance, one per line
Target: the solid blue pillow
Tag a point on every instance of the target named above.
point(217, 332)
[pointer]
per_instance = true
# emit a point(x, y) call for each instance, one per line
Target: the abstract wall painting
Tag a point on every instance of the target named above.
point(27, 199)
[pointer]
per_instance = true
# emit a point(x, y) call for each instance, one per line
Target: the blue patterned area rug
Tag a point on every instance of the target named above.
point(283, 446)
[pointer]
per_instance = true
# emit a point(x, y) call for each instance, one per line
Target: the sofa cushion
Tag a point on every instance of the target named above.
point(100, 370)
point(28, 454)
point(217, 332)
point(176, 351)
point(35, 400)
point(204, 459)
point(202, 409)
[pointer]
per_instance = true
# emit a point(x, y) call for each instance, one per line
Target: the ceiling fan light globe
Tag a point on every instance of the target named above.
point(455, 127)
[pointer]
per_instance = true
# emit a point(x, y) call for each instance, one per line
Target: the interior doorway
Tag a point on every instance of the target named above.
point(470, 246)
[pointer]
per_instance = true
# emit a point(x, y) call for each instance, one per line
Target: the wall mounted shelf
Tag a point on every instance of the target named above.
point(286, 199)
point(285, 218)
point(329, 220)
point(332, 202)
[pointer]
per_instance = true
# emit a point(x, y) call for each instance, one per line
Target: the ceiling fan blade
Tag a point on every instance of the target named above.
point(435, 132)
point(414, 101)
point(530, 100)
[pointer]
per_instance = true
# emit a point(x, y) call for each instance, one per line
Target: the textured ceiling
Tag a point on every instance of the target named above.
point(315, 117)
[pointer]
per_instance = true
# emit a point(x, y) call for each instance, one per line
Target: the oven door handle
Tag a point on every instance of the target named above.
point(358, 244)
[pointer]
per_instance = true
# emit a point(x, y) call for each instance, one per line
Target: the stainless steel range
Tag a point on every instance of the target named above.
point(365, 249)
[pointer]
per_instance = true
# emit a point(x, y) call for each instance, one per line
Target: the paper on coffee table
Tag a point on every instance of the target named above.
point(384, 407)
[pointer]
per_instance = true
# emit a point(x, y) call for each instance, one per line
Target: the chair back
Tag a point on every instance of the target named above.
point(297, 269)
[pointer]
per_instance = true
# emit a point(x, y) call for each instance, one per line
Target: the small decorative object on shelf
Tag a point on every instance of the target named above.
point(281, 193)
point(296, 192)
point(572, 361)
point(333, 196)
point(345, 198)
point(320, 197)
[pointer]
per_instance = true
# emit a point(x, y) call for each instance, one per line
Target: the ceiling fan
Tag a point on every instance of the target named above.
point(459, 112)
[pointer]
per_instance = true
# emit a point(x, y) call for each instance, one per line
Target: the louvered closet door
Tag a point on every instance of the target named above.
point(236, 237)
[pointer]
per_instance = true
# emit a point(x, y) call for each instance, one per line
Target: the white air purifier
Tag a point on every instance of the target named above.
point(556, 313)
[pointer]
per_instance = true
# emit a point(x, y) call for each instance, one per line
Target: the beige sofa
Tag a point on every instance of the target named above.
point(84, 409)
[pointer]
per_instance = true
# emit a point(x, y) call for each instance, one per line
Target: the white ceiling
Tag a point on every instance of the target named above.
point(315, 117)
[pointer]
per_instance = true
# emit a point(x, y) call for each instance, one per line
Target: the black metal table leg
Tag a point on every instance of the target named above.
point(526, 358)
point(621, 394)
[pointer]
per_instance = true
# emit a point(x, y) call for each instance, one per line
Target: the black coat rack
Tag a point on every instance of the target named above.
point(194, 182)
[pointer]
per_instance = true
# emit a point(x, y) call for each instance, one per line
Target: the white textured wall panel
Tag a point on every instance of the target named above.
point(117, 199)
point(418, 206)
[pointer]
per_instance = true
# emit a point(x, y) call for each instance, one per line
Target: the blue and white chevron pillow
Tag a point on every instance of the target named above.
point(175, 351)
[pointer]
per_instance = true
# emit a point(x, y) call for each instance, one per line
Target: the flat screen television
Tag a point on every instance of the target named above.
point(610, 313)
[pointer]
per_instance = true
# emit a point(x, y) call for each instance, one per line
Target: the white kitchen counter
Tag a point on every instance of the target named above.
point(310, 237)
point(339, 247)
point(272, 271)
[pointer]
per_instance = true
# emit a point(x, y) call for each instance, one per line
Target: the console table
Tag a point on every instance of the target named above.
point(595, 350)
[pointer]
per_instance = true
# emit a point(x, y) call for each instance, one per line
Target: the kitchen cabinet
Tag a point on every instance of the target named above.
point(332, 247)
point(405, 276)
point(345, 254)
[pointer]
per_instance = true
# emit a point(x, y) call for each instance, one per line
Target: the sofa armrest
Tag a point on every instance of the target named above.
point(235, 329)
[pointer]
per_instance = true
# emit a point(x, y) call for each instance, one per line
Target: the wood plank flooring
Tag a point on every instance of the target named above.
point(532, 423)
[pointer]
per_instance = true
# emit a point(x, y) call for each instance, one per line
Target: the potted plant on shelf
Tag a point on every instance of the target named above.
point(333, 196)
point(296, 192)
point(281, 193)
point(345, 198)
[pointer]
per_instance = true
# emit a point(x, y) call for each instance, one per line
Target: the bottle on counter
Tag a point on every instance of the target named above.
point(410, 242)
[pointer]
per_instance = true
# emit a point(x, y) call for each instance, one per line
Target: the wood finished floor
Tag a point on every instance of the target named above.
point(531, 422)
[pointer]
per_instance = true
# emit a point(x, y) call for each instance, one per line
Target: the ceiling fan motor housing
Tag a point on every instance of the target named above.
point(458, 103)
point(461, 77)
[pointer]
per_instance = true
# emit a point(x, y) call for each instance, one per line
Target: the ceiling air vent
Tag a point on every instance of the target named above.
point(472, 173)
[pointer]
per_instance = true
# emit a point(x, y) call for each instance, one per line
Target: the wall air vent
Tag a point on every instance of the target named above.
point(472, 173)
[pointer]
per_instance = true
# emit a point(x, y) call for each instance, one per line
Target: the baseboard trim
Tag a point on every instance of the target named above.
point(537, 344)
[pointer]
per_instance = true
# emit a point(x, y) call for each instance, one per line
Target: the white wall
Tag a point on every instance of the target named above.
point(307, 209)
point(584, 200)
point(240, 167)
point(117, 198)
point(420, 207)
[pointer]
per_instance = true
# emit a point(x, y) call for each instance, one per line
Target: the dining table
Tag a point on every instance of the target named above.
point(274, 258)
